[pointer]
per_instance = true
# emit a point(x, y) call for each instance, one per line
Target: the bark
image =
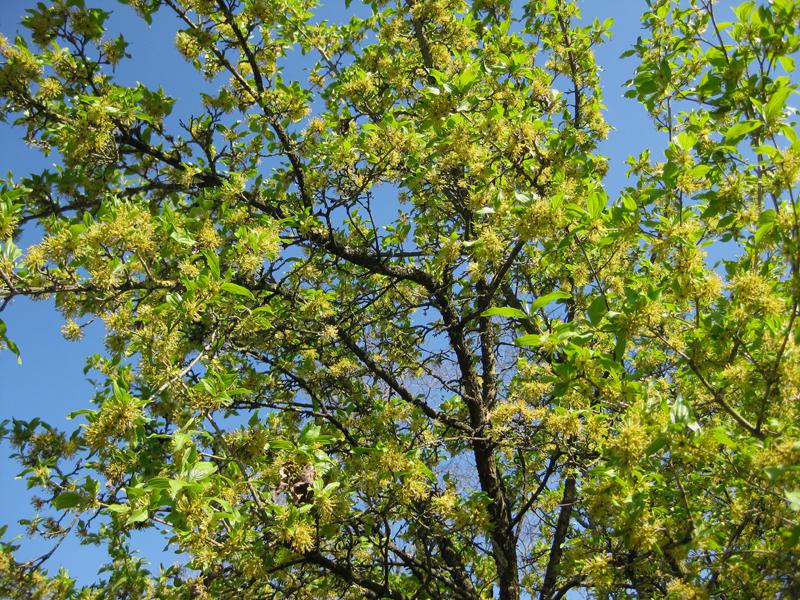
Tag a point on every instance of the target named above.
point(559, 536)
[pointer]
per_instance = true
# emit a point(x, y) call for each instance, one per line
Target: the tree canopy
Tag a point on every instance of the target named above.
point(378, 329)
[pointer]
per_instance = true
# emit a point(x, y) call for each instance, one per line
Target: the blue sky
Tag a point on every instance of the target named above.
point(50, 382)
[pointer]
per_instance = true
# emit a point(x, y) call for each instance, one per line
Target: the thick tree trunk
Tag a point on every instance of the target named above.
point(559, 536)
point(504, 543)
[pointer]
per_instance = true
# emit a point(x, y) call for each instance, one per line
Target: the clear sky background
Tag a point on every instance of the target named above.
point(50, 382)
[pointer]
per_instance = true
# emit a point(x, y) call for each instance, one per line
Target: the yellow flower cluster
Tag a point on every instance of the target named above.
point(115, 421)
point(538, 220)
point(393, 460)
point(505, 413)
point(599, 571)
point(342, 367)
point(678, 589)
point(444, 503)
point(129, 229)
point(19, 69)
point(630, 440)
point(299, 537)
point(50, 88)
point(72, 331)
point(754, 295)
point(187, 45)
point(413, 489)
point(202, 7)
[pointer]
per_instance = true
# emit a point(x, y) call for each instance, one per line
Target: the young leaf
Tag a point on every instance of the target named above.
point(504, 312)
point(68, 500)
point(237, 290)
point(735, 133)
point(596, 310)
point(529, 340)
point(201, 471)
point(137, 516)
point(543, 301)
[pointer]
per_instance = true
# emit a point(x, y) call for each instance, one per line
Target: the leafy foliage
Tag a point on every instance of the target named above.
point(381, 332)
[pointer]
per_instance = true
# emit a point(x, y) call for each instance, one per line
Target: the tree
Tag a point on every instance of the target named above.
point(381, 332)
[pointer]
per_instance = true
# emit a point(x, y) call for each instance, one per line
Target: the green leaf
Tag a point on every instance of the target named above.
point(175, 486)
point(597, 309)
point(543, 301)
point(763, 230)
point(238, 290)
point(157, 483)
point(787, 62)
point(137, 516)
point(657, 444)
point(619, 347)
point(68, 500)
point(522, 197)
point(78, 413)
point(310, 434)
point(334, 485)
point(680, 412)
point(770, 151)
point(505, 311)
point(425, 470)
point(530, 340)
point(9, 343)
point(200, 471)
point(629, 203)
point(597, 202)
point(794, 499)
point(182, 238)
point(774, 107)
point(281, 445)
point(721, 436)
point(738, 131)
point(9, 251)
point(766, 222)
point(774, 472)
point(118, 508)
point(213, 262)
